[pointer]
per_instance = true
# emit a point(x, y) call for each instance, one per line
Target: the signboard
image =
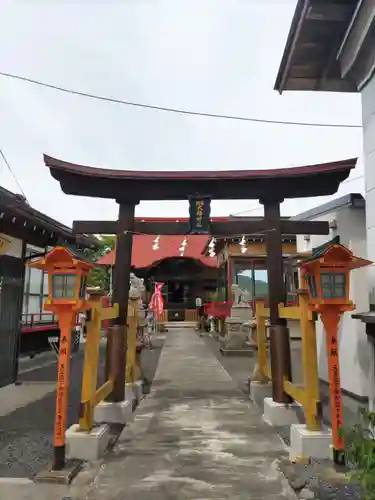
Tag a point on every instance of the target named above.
point(199, 212)
point(335, 396)
point(62, 389)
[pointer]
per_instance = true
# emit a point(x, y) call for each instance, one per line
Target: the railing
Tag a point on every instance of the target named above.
point(218, 309)
point(33, 322)
point(308, 394)
point(30, 319)
point(91, 396)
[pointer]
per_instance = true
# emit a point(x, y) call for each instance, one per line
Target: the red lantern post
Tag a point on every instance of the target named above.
point(328, 276)
point(67, 276)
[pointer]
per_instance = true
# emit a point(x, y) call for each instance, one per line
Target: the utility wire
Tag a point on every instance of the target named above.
point(172, 110)
point(258, 208)
point(13, 174)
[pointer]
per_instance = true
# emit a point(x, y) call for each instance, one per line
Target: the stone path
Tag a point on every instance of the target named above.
point(194, 437)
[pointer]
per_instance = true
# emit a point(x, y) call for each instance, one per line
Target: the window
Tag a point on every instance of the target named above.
point(82, 288)
point(64, 286)
point(312, 286)
point(33, 287)
point(333, 285)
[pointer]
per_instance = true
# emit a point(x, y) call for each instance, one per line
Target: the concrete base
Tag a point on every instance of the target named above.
point(278, 414)
point(129, 392)
point(246, 352)
point(84, 445)
point(259, 392)
point(113, 413)
point(138, 390)
point(309, 444)
point(65, 476)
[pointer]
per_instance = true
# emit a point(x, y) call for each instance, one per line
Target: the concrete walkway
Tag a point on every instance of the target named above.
point(194, 437)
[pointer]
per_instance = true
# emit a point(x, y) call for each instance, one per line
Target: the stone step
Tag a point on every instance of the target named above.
point(180, 324)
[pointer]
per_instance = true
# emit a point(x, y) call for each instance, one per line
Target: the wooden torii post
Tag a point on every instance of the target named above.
point(271, 187)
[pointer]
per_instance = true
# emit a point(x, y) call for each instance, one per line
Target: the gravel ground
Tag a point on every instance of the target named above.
point(26, 434)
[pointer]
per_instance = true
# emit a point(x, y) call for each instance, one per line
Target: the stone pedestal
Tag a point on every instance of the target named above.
point(236, 338)
point(279, 414)
point(309, 444)
point(242, 313)
point(113, 413)
point(83, 445)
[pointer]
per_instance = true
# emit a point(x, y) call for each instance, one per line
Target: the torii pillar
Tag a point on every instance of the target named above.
point(281, 366)
point(120, 295)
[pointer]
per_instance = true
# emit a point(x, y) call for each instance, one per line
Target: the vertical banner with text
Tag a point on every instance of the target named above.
point(335, 391)
point(199, 212)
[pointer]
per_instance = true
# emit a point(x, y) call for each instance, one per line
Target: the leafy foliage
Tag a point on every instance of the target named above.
point(360, 453)
point(99, 275)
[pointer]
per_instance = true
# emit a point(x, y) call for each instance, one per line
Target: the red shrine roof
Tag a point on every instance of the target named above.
point(144, 256)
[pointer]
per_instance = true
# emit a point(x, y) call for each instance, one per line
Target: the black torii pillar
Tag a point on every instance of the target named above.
point(116, 357)
point(279, 333)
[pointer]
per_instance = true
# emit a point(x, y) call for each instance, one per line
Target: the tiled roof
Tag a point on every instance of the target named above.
point(144, 256)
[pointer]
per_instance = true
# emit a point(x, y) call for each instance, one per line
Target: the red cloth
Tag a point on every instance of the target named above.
point(157, 302)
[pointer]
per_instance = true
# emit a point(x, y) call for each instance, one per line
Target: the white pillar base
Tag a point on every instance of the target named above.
point(259, 392)
point(309, 444)
point(138, 390)
point(113, 413)
point(279, 414)
point(129, 391)
point(84, 445)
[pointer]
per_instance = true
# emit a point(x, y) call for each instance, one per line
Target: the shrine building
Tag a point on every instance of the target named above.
point(194, 266)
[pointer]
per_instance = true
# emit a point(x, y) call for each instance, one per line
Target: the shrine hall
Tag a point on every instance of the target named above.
point(192, 266)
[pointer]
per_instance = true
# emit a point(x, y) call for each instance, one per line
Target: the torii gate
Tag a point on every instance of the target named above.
point(270, 187)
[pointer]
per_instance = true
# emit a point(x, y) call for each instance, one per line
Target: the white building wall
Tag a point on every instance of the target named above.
point(354, 352)
point(368, 119)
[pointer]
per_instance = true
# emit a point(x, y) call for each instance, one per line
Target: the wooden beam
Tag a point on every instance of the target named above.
point(219, 229)
point(329, 85)
point(355, 37)
point(95, 227)
point(329, 12)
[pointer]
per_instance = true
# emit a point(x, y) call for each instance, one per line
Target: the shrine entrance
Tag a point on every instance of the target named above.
point(270, 187)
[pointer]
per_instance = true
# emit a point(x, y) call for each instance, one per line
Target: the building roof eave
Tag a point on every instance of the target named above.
point(310, 58)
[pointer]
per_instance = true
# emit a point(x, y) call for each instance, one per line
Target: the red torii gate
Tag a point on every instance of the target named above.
point(270, 187)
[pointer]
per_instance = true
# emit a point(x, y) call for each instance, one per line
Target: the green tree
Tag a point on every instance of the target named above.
point(99, 275)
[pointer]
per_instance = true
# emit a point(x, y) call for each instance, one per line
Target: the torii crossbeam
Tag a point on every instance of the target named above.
point(270, 187)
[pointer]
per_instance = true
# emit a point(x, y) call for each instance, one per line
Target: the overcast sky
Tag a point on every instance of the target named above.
point(216, 56)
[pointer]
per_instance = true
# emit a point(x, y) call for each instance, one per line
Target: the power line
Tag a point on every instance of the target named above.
point(173, 110)
point(13, 174)
point(258, 208)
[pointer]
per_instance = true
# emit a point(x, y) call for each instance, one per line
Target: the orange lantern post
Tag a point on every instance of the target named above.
point(67, 277)
point(328, 273)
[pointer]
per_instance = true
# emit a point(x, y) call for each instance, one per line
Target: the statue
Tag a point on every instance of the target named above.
point(236, 295)
point(240, 298)
point(136, 287)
